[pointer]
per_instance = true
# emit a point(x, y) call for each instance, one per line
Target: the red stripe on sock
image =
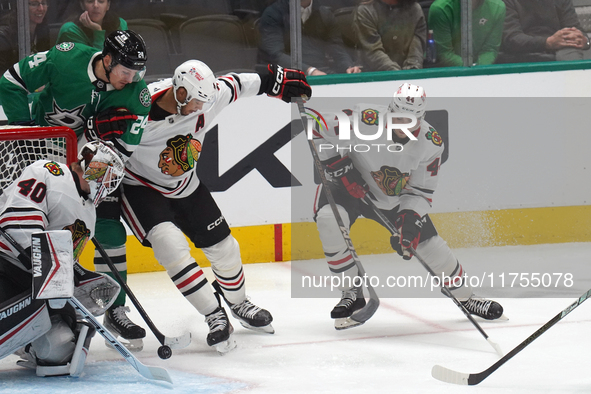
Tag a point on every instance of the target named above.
point(192, 278)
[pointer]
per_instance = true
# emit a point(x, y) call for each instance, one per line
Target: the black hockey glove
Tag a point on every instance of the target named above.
point(108, 124)
point(409, 225)
point(284, 83)
point(343, 172)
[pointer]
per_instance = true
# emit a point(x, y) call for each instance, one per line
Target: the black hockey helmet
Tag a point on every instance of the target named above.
point(126, 48)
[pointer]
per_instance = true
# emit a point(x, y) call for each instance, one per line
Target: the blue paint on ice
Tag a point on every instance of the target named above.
point(112, 377)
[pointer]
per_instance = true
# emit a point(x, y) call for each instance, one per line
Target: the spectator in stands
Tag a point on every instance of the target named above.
point(93, 25)
point(323, 51)
point(38, 29)
point(392, 34)
point(542, 30)
point(487, 30)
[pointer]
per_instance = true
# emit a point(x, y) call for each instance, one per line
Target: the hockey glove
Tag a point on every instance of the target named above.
point(285, 83)
point(409, 225)
point(343, 172)
point(108, 124)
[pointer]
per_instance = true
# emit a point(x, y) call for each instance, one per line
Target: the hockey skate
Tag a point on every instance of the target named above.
point(220, 331)
point(128, 333)
point(248, 314)
point(486, 309)
point(94, 290)
point(351, 300)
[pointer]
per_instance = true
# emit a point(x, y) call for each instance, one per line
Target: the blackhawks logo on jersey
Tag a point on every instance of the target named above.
point(80, 236)
point(370, 117)
point(433, 136)
point(180, 155)
point(54, 168)
point(390, 180)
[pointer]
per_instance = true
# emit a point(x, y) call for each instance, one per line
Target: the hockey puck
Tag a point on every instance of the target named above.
point(164, 352)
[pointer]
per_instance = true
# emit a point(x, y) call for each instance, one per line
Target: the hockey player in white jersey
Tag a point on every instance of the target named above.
point(49, 196)
point(164, 200)
point(401, 184)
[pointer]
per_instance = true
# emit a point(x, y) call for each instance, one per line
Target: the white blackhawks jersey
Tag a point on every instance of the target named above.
point(166, 158)
point(408, 177)
point(43, 198)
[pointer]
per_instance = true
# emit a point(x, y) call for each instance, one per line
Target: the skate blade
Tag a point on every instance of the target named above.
point(225, 346)
point(133, 345)
point(268, 329)
point(345, 323)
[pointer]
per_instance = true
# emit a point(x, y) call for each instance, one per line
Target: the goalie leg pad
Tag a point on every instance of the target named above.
point(173, 252)
point(437, 254)
point(226, 265)
point(339, 260)
point(57, 346)
point(22, 320)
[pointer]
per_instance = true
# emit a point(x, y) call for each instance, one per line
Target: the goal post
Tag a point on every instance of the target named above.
point(23, 145)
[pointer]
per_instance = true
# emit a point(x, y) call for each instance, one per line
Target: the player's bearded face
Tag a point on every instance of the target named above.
point(401, 133)
point(191, 107)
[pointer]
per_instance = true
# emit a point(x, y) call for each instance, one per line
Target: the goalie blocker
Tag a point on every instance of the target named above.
point(36, 322)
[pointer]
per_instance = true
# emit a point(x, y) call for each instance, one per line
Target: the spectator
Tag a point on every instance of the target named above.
point(487, 30)
point(392, 34)
point(38, 29)
point(323, 51)
point(542, 30)
point(93, 25)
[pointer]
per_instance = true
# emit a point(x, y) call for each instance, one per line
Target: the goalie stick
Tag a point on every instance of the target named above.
point(153, 373)
point(444, 288)
point(471, 379)
point(167, 343)
point(364, 314)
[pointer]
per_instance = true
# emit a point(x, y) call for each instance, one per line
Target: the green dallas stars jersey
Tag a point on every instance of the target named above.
point(72, 92)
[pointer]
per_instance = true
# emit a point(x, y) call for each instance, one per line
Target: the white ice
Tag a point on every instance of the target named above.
point(392, 353)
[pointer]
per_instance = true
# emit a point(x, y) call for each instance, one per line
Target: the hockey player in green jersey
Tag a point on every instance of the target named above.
point(100, 95)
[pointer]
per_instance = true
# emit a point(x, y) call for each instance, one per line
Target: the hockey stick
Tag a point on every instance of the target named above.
point(471, 379)
point(167, 343)
point(394, 231)
point(154, 373)
point(364, 314)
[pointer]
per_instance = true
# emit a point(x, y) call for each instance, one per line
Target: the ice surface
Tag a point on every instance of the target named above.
point(392, 353)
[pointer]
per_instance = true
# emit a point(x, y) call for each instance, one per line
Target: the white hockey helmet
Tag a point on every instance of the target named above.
point(103, 169)
point(197, 78)
point(411, 99)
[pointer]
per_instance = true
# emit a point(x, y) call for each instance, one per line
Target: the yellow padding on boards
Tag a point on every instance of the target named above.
point(300, 241)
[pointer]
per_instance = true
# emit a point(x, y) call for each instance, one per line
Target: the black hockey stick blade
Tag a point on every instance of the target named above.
point(173, 342)
point(450, 376)
point(364, 314)
point(152, 373)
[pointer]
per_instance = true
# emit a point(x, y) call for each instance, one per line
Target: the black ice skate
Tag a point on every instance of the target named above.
point(129, 333)
point(248, 314)
point(351, 301)
point(486, 309)
point(220, 331)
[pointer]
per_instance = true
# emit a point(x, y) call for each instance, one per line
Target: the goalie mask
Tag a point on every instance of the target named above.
point(198, 80)
point(103, 169)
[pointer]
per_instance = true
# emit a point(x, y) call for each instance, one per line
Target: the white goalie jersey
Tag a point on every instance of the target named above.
point(407, 177)
point(166, 158)
point(43, 198)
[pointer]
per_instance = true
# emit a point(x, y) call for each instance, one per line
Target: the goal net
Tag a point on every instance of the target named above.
point(21, 146)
